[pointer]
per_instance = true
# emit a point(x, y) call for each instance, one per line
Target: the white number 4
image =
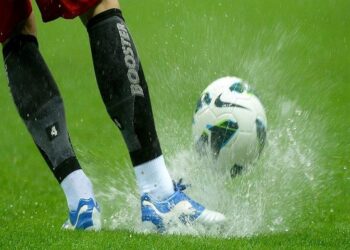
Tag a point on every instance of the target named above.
point(54, 131)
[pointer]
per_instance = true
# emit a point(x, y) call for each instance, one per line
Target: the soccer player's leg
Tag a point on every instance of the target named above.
point(124, 91)
point(40, 105)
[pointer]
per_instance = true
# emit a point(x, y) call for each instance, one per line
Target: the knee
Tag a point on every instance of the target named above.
point(29, 26)
point(25, 27)
point(99, 8)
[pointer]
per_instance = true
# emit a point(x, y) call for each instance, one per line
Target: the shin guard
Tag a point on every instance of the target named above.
point(123, 85)
point(39, 103)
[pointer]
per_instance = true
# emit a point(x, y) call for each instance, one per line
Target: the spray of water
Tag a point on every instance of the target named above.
point(270, 196)
point(265, 198)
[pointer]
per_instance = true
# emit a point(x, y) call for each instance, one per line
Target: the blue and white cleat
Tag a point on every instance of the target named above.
point(178, 208)
point(86, 217)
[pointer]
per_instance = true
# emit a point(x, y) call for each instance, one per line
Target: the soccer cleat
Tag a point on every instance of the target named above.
point(177, 208)
point(86, 217)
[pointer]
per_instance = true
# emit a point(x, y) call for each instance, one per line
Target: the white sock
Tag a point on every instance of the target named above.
point(153, 178)
point(77, 186)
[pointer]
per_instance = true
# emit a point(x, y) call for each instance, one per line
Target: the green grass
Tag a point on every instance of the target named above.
point(296, 55)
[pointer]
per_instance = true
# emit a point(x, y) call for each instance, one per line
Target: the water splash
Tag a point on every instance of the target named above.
point(274, 193)
point(270, 194)
point(267, 197)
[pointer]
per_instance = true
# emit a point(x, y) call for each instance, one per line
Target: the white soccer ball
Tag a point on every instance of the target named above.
point(230, 124)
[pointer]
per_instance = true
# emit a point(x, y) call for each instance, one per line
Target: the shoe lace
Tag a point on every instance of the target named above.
point(179, 186)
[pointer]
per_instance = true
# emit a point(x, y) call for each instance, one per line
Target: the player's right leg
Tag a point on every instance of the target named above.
point(124, 90)
point(40, 105)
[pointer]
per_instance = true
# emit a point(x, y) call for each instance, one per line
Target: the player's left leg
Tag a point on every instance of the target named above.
point(124, 91)
point(40, 105)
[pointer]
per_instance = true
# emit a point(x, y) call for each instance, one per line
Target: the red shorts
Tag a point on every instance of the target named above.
point(12, 12)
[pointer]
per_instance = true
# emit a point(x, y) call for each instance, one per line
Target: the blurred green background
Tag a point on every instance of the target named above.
point(294, 53)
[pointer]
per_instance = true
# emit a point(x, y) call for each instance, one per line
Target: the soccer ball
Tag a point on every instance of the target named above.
point(229, 124)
